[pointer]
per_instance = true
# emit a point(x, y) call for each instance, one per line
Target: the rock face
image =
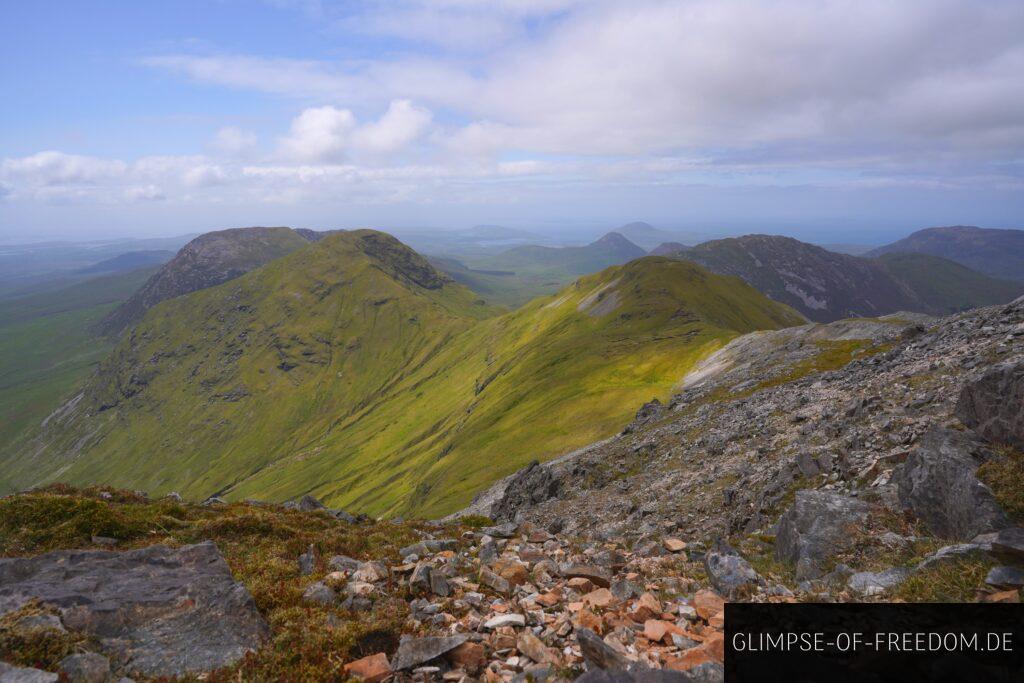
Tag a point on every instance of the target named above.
point(817, 527)
point(530, 486)
point(155, 611)
point(993, 406)
point(206, 261)
point(938, 483)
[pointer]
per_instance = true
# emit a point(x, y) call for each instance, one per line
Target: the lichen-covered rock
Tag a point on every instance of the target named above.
point(939, 484)
point(728, 571)
point(413, 651)
point(993, 405)
point(816, 528)
point(20, 674)
point(156, 610)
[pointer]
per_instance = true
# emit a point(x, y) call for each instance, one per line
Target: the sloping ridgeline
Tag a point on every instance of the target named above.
point(352, 370)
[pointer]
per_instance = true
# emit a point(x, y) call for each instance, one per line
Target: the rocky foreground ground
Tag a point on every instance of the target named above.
point(861, 460)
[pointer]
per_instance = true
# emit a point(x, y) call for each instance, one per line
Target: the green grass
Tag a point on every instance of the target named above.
point(957, 581)
point(330, 371)
point(1004, 474)
point(261, 545)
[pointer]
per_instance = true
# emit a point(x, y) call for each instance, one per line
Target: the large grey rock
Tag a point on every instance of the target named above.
point(156, 610)
point(414, 651)
point(530, 486)
point(86, 667)
point(939, 484)
point(20, 674)
point(728, 571)
point(816, 528)
point(993, 405)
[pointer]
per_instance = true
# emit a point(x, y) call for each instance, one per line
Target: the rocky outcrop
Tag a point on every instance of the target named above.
point(818, 526)
point(938, 484)
point(154, 611)
point(530, 486)
point(206, 261)
point(993, 406)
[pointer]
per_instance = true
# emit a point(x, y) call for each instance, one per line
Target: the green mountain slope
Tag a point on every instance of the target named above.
point(996, 253)
point(47, 350)
point(947, 287)
point(353, 370)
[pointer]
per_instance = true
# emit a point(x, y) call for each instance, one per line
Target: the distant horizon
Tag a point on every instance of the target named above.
point(568, 235)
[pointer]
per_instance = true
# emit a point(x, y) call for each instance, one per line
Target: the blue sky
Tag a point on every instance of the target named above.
point(833, 121)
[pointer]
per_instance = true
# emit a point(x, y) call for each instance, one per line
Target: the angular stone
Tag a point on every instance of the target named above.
point(599, 576)
point(601, 598)
point(342, 563)
point(372, 669)
point(993, 406)
point(21, 674)
point(938, 483)
point(728, 571)
point(307, 561)
point(439, 585)
point(708, 603)
point(494, 582)
point(599, 655)
point(818, 526)
point(534, 648)
point(1005, 577)
point(428, 547)
point(419, 582)
point(507, 530)
point(309, 503)
point(674, 545)
point(1009, 544)
point(949, 553)
point(505, 620)
point(85, 667)
point(370, 572)
point(469, 656)
point(174, 611)
point(513, 571)
point(876, 583)
point(414, 651)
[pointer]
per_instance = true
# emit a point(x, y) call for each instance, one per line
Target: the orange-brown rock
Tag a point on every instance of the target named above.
point(372, 669)
point(708, 603)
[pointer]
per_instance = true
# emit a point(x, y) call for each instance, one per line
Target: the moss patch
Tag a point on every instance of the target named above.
point(1004, 474)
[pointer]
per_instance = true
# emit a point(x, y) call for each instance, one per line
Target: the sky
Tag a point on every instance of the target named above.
point(830, 120)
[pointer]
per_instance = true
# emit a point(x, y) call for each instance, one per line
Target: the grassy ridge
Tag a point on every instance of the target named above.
point(363, 377)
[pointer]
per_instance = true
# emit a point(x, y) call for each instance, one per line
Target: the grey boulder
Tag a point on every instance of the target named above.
point(938, 483)
point(157, 610)
point(816, 528)
point(21, 674)
point(728, 571)
point(993, 405)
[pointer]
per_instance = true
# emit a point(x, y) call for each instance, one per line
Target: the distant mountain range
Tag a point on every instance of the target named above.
point(999, 253)
point(129, 261)
point(827, 286)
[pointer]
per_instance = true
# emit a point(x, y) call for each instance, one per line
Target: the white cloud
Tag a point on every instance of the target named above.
point(58, 168)
point(145, 193)
point(319, 134)
point(205, 175)
point(233, 141)
point(400, 125)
